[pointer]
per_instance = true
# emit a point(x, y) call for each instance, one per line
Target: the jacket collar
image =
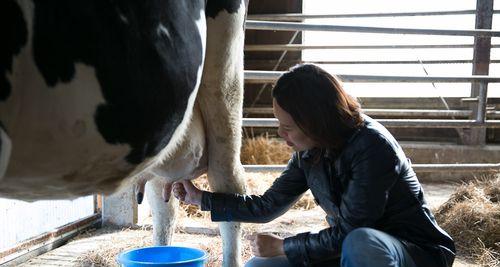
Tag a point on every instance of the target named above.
point(309, 154)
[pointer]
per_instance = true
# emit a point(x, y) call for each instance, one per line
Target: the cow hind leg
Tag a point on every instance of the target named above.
point(164, 212)
point(5, 149)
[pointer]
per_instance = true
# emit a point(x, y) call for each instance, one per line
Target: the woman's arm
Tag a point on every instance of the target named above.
point(285, 191)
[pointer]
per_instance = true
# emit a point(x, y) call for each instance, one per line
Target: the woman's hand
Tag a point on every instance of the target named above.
point(267, 245)
point(186, 192)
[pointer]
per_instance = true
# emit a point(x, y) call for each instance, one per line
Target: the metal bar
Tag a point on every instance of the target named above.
point(389, 112)
point(394, 123)
point(471, 167)
point(264, 168)
point(298, 16)
point(481, 105)
point(430, 123)
point(272, 76)
point(297, 26)
point(98, 204)
point(480, 66)
point(353, 62)
point(260, 122)
point(417, 112)
point(398, 112)
point(300, 47)
point(466, 167)
point(282, 56)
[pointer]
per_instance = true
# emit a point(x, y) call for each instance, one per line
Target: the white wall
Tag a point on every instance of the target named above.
point(21, 220)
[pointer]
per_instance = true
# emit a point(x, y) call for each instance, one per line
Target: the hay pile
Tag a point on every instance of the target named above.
point(472, 217)
point(214, 250)
point(107, 251)
point(264, 150)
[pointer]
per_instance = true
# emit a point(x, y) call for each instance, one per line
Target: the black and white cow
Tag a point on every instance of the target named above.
point(99, 94)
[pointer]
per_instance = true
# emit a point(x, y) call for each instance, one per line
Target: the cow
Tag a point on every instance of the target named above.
point(97, 95)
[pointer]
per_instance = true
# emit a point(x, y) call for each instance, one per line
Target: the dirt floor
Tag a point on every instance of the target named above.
point(100, 247)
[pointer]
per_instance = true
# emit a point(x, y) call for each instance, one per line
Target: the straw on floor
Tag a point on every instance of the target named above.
point(472, 217)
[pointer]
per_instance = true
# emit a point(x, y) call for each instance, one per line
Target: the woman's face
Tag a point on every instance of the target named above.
point(289, 131)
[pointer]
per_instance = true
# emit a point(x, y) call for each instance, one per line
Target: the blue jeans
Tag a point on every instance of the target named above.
point(363, 247)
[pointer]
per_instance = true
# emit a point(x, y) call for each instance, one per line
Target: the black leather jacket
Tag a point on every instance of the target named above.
point(369, 184)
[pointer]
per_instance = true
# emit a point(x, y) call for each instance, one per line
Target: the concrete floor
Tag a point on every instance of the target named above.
point(288, 224)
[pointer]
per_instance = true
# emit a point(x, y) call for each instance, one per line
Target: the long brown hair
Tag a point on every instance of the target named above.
point(319, 105)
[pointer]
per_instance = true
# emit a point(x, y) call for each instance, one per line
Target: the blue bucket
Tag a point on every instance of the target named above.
point(163, 256)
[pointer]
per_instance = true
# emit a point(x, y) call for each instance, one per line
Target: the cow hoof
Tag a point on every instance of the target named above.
point(140, 197)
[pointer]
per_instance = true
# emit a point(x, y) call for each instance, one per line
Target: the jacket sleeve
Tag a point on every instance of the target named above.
point(285, 191)
point(374, 170)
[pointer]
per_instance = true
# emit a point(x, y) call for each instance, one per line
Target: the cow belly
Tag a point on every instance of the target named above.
point(90, 101)
point(56, 144)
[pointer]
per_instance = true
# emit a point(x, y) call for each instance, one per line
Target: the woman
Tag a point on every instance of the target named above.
point(357, 173)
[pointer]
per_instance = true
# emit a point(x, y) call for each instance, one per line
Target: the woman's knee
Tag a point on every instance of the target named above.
point(280, 261)
point(359, 236)
point(370, 247)
point(361, 243)
point(254, 262)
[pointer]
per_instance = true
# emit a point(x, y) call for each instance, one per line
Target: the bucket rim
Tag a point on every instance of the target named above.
point(121, 260)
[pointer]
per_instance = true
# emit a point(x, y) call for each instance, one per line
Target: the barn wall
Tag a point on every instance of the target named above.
point(21, 220)
point(267, 60)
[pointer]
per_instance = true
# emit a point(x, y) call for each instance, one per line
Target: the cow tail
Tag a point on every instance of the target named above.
point(5, 149)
